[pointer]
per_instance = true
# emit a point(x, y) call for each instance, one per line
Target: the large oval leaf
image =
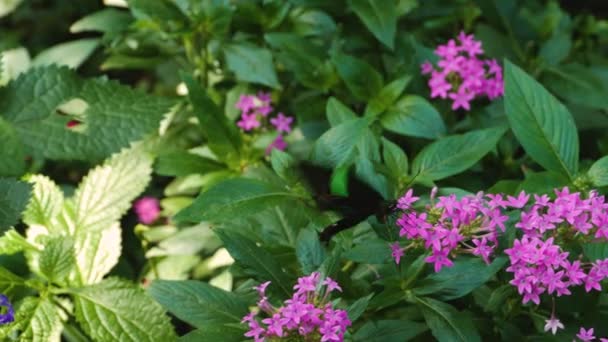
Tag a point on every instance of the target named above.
point(447, 324)
point(543, 126)
point(454, 154)
point(414, 116)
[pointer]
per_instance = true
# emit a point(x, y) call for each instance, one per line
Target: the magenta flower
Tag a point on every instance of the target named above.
point(309, 313)
point(248, 122)
point(147, 209)
point(407, 200)
point(282, 123)
point(246, 103)
point(396, 252)
point(278, 143)
point(461, 75)
point(586, 335)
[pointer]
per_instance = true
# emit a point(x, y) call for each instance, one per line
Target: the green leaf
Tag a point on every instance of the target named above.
point(45, 204)
point(306, 60)
point(37, 320)
point(446, 323)
point(339, 145)
point(454, 282)
point(577, 84)
point(395, 158)
point(598, 173)
point(115, 310)
point(198, 303)
point(542, 182)
point(112, 115)
point(596, 250)
point(71, 54)
point(12, 242)
point(251, 64)
point(161, 11)
point(363, 81)
point(373, 251)
point(223, 137)
point(389, 331)
point(101, 199)
point(57, 259)
point(312, 22)
point(454, 154)
point(379, 16)
point(106, 20)
point(13, 200)
point(179, 164)
point(543, 126)
point(387, 96)
point(107, 191)
point(414, 116)
point(309, 251)
point(12, 155)
point(356, 309)
point(9, 281)
point(215, 332)
point(337, 112)
point(263, 264)
point(283, 164)
point(232, 198)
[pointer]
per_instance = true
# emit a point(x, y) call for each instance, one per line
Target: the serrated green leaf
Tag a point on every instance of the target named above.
point(363, 81)
point(115, 310)
point(454, 154)
point(57, 259)
point(457, 281)
point(379, 16)
point(446, 323)
point(9, 281)
point(598, 173)
point(238, 197)
point(257, 259)
point(12, 155)
point(309, 251)
point(101, 199)
point(542, 124)
point(414, 116)
point(12, 242)
point(251, 64)
point(13, 200)
point(198, 303)
point(45, 204)
point(113, 115)
point(222, 136)
point(36, 320)
point(71, 54)
point(389, 331)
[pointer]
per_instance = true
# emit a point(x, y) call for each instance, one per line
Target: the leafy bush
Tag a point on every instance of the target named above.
point(303, 170)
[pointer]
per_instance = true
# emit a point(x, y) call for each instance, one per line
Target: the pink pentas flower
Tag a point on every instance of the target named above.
point(279, 143)
point(553, 324)
point(461, 75)
point(396, 252)
point(308, 313)
point(586, 335)
point(282, 123)
point(248, 122)
point(147, 209)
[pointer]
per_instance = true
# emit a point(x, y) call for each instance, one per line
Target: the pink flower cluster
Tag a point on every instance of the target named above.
point(255, 110)
point(470, 224)
point(461, 75)
point(147, 209)
point(539, 264)
point(308, 313)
